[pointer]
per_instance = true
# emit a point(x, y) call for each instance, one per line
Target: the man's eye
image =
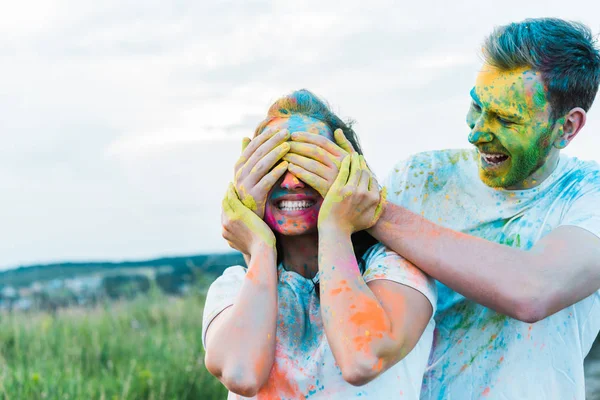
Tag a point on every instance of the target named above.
point(476, 107)
point(505, 121)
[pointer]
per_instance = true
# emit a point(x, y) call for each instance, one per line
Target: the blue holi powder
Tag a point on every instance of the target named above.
point(475, 97)
point(280, 222)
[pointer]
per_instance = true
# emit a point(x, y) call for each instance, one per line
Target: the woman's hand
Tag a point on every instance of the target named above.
point(353, 203)
point(242, 228)
point(254, 175)
point(316, 160)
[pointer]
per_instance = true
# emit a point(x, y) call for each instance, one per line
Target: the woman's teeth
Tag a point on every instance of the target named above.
point(288, 205)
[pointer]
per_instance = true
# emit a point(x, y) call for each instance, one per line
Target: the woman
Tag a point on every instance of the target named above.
point(269, 331)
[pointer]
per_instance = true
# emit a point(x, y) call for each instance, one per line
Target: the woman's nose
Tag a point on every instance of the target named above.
point(290, 182)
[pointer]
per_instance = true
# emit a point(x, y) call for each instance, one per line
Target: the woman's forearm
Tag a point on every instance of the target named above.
point(357, 327)
point(242, 349)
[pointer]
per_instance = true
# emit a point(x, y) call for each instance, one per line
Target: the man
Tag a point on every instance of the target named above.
point(510, 229)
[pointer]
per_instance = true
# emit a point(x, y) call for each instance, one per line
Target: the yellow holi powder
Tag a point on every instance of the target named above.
point(245, 143)
point(250, 202)
point(235, 210)
point(381, 205)
point(493, 84)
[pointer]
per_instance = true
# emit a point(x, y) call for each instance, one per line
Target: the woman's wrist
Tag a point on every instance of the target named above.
point(333, 228)
point(263, 248)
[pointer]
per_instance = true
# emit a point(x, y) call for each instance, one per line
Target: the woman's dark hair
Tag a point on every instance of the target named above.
point(564, 52)
point(306, 103)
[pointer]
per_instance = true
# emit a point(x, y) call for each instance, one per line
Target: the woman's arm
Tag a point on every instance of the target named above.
point(240, 342)
point(368, 326)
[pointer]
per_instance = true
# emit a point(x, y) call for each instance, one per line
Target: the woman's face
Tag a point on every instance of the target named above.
point(292, 206)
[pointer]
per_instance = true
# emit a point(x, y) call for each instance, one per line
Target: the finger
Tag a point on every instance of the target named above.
point(381, 205)
point(270, 179)
point(316, 153)
point(365, 177)
point(245, 142)
point(318, 140)
point(267, 162)
point(342, 177)
point(355, 171)
point(310, 165)
point(253, 146)
point(365, 168)
point(225, 203)
point(373, 184)
point(264, 149)
point(311, 179)
point(232, 198)
point(343, 141)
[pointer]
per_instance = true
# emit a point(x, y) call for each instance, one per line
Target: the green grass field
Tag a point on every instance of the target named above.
point(146, 348)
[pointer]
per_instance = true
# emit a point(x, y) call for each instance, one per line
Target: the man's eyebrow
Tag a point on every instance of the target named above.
point(475, 97)
point(503, 113)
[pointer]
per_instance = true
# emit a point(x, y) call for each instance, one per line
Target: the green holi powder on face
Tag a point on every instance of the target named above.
point(527, 138)
point(539, 97)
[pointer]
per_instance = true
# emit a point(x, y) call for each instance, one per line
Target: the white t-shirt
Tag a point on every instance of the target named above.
point(304, 365)
point(477, 352)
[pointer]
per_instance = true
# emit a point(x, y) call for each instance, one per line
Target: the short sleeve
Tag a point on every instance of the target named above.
point(383, 263)
point(584, 212)
point(222, 293)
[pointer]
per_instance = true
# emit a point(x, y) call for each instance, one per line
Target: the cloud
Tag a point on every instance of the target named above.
point(121, 121)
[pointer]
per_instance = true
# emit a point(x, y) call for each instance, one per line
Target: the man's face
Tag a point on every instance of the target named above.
point(510, 126)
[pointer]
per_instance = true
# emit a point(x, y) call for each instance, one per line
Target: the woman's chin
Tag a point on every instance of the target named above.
point(294, 230)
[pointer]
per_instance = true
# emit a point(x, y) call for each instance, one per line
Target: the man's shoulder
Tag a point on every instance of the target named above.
point(436, 160)
point(438, 165)
point(585, 169)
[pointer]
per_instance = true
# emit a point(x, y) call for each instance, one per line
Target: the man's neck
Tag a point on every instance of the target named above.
point(300, 254)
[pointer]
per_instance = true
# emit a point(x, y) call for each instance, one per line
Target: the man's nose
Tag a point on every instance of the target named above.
point(290, 182)
point(478, 135)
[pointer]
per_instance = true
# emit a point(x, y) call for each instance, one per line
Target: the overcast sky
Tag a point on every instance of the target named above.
point(121, 120)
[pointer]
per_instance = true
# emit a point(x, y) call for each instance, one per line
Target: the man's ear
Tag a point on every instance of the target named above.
point(571, 125)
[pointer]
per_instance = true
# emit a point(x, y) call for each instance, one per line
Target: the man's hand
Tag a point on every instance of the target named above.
point(316, 160)
point(254, 172)
point(353, 202)
point(242, 228)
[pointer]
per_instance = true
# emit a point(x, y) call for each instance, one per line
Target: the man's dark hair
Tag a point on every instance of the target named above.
point(564, 52)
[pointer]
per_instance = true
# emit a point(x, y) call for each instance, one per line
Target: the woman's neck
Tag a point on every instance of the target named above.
point(300, 254)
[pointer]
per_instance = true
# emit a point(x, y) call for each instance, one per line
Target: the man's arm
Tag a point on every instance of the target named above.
point(560, 270)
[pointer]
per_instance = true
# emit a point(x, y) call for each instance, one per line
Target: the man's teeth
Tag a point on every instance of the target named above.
point(494, 158)
point(289, 205)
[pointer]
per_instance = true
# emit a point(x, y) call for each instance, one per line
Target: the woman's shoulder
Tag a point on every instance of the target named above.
point(231, 275)
point(381, 262)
